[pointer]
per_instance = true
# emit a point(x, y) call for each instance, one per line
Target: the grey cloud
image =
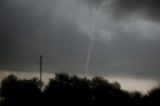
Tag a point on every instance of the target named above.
point(122, 9)
point(127, 55)
point(149, 9)
point(57, 30)
point(32, 28)
point(95, 3)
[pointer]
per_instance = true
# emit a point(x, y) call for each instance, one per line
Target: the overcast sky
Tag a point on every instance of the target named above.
point(126, 36)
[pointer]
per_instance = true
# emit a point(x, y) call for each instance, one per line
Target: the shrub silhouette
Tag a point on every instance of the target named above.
point(71, 90)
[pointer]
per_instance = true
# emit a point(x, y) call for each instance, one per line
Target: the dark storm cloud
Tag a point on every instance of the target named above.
point(59, 30)
point(31, 28)
point(95, 2)
point(127, 54)
point(149, 9)
point(122, 9)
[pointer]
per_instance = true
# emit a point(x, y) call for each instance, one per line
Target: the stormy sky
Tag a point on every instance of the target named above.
point(126, 36)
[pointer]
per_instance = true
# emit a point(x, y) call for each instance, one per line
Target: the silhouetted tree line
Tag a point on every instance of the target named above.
point(71, 91)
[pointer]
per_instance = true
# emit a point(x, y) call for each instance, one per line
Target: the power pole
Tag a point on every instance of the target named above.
point(40, 71)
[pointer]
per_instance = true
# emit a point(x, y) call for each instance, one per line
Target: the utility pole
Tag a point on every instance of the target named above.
point(40, 71)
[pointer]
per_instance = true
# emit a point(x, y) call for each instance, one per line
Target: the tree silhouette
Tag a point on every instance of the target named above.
point(153, 97)
point(57, 90)
point(20, 92)
point(71, 90)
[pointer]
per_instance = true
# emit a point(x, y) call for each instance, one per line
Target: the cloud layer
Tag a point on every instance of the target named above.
point(126, 35)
